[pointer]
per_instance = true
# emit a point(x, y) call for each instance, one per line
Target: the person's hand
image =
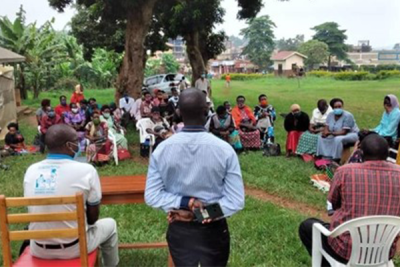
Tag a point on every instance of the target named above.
point(180, 216)
point(149, 131)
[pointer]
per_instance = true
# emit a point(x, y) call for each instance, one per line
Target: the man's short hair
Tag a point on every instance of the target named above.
point(12, 125)
point(84, 101)
point(375, 147)
point(155, 109)
point(63, 96)
point(240, 97)
point(261, 96)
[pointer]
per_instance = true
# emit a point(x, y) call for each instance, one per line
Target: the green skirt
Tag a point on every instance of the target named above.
point(307, 144)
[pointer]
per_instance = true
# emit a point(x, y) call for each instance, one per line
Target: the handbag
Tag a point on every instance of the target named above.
point(272, 150)
point(123, 154)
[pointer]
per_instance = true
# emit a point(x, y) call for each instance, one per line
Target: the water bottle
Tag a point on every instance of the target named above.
point(270, 131)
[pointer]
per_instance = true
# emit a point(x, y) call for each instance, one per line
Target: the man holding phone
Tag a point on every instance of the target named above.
point(195, 177)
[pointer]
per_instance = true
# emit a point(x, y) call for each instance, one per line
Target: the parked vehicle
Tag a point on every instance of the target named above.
point(163, 82)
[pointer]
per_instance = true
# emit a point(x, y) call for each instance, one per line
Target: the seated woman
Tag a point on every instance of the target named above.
point(309, 140)
point(116, 113)
point(14, 141)
point(245, 123)
point(222, 125)
point(341, 129)
point(159, 127)
point(113, 127)
point(45, 105)
point(296, 122)
point(265, 115)
point(387, 128)
point(77, 120)
point(99, 149)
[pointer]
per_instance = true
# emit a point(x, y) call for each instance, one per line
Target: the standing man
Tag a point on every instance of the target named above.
point(228, 80)
point(60, 175)
point(358, 190)
point(190, 170)
point(127, 106)
point(203, 84)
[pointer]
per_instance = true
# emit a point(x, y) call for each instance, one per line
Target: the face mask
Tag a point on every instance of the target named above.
point(264, 103)
point(106, 115)
point(96, 121)
point(126, 99)
point(203, 76)
point(63, 103)
point(76, 153)
point(338, 111)
point(51, 114)
point(75, 110)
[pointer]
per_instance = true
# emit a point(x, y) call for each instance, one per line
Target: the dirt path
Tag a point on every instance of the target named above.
point(287, 204)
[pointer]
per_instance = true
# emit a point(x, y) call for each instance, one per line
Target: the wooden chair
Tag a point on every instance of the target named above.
point(26, 259)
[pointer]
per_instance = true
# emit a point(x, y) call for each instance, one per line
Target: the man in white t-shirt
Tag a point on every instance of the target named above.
point(127, 106)
point(203, 84)
point(60, 175)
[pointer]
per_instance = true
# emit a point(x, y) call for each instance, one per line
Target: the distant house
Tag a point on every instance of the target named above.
point(288, 63)
point(8, 98)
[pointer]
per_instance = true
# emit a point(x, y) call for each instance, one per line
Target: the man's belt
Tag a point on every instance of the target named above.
point(59, 246)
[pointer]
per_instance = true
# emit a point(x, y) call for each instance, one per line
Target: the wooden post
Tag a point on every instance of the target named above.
point(17, 96)
point(82, 229)
point(5, 235)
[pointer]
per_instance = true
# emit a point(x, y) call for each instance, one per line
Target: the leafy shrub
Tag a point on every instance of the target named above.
point(246, 77)
point(371, 77)
point(320, 73)
point(384, 74)
point(376, 69)
point(66, 83)
point(351, 76)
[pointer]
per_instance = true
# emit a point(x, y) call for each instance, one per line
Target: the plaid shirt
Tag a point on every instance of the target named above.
point(358, 190)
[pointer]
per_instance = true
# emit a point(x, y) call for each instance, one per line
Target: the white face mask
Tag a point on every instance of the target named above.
point(75, 110)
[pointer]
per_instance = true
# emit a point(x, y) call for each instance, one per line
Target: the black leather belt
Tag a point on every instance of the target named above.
point(59, 246)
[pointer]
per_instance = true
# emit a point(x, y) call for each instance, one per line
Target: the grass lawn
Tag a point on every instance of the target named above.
point(262, 234)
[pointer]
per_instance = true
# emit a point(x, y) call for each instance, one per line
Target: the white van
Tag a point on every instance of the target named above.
point(163, 82)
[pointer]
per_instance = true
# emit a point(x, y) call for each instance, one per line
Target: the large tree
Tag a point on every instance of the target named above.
point(317, 53)
point(137, 14)
point(290, 44)
point(335, 38)
point(260, 33)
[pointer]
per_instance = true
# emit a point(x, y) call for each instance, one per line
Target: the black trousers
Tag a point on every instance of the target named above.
point(42, 143)
point(305, 233)
point(193, 243)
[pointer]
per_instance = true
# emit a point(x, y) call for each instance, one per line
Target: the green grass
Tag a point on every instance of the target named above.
point(262, 234)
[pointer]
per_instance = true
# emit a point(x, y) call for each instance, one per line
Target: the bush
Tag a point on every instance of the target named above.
point(385, 74)
point(67, 83)
point(376, 69)
point(245, 77)
point(351, 76)
point(320, 73)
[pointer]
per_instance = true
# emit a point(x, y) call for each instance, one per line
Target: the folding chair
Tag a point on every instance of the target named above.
point(26, 258)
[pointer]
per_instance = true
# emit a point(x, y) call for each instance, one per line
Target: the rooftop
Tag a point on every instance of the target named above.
point(7, 56)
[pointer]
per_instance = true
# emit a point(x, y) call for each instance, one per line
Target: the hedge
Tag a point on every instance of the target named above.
point(245, 77)
point(356, 76)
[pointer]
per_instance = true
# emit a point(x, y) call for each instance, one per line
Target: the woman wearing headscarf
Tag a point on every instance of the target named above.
point(341, 129)
point(387, 128)
point(245, 123)
point(309, 140)
point(296, 122)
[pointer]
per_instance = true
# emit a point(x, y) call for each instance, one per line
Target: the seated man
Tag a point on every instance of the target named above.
point(355, 192)
point(60, 175)
point(127, 106)
point(159, 127)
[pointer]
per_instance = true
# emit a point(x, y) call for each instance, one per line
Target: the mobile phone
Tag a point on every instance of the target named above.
point(212, 211)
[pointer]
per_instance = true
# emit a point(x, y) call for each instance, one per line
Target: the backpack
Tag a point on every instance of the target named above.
point(272, 150)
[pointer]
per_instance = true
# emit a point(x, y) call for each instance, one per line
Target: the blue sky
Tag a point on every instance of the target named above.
point(374, 20)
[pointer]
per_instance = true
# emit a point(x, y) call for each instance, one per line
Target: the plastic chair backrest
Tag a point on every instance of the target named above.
point(113, 139)
point(142, 125)
point(372, 238)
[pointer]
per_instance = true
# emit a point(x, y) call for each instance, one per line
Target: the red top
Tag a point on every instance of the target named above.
point(77, 98)
point(47, 122)
point(61, 109)
point(359, 190)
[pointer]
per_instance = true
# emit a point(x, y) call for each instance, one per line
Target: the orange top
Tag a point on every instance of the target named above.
point(228, 78)
point(237, 116)
point(76, 98)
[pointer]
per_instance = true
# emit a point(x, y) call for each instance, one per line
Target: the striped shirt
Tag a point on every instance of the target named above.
point(358, 190)
point(194, 163)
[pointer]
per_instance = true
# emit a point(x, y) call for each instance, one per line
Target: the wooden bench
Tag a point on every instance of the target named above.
point(128, 190)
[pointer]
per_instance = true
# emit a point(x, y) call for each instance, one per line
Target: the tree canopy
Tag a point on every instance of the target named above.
point(335, 38)
point(317, 53)
point(290, 44)
point(260, 33)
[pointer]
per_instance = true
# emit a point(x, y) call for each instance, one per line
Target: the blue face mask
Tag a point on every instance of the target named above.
point(338, 111)
point(203, 76)
point(76, 153)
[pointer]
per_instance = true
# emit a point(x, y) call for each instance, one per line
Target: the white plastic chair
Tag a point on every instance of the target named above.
point(141, 126)
point(372, 238)
point(392, 152)
point(113, 139)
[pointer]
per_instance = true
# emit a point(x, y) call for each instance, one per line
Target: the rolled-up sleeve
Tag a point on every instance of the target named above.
point(233, 197)
point(155, 194)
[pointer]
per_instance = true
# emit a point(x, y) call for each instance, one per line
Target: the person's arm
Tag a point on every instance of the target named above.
point(94, 198)
point(334, 195)
point(43, 125)
point(212, 128)
point(288, 123)
point(305, 122)
point(156, 195)
point(233, 196)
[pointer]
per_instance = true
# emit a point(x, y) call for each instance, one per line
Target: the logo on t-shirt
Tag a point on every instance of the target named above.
point(46, 183)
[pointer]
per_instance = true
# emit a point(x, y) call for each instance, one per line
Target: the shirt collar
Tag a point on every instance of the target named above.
point(194, 129)
point(59, 156)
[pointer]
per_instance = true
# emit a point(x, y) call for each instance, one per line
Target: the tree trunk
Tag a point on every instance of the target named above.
point(194, 55)
point(130, 79)
point(329, 62)
point(21, 84)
